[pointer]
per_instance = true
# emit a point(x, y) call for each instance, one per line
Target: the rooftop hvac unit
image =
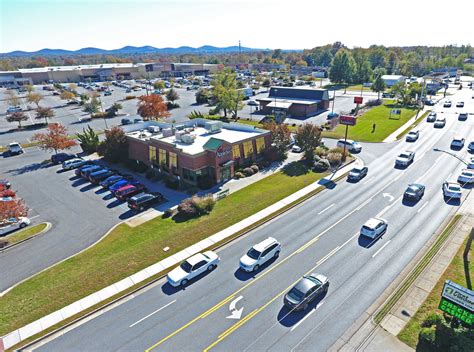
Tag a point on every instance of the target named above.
point(188, 138)
point(167, 132)
point(154, 129)
point(179, 135)
point(213, 126)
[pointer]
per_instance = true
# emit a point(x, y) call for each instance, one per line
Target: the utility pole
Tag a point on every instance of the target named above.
point(240, 48)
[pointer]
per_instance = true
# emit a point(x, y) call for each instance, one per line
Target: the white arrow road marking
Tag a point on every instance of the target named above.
point(149, 315)
point(235, 313)
point(389, 196)
point(307, 315)
point(329, 207)
point(381, 248)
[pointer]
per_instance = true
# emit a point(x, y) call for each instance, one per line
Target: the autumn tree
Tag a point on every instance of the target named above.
point(281, 137)
point(14, 208)
point(115, 146)
point(308, 137)
point(29, 88)
point(12, 98)
point(34, 98)
point(152, 107)
point(55, 138)
point(17, 117)
point(44, 113)
point(66, 95)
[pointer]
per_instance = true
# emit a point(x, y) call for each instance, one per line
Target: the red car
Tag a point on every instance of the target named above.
point(128, 191)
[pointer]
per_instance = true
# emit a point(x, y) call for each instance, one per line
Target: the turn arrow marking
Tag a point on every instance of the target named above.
point(389, 196)
point(235, 313)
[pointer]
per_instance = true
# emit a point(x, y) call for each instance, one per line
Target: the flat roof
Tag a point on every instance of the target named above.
point(78, 67)
point(287, 102)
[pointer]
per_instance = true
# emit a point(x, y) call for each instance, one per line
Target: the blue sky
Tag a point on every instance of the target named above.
point(71, 24)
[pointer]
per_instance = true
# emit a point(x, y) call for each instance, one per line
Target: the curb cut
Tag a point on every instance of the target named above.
point(46, 229)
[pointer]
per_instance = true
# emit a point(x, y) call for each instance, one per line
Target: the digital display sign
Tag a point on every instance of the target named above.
point(456, 311)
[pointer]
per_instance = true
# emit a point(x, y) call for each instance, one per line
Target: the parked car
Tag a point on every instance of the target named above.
point(252, 103)
point(351, 146)
point(137, 120)
point(12, 224)
point(429, 102)
point(452, 190)
point(109, 181)
point(59, 158)
point(128, 191)
point(306, 290)
point(457, 143)
point(447, 104)
point(7, 193)
point(192, 267)
point(374, 228)
point(296, 149)
point(119, 184)
point(460, 104)
point(431, 117)
point(470, 164)
point(15, 148)
point(466, 177)
point(415, 191)
point(126, 122)
point(100, 175)
point(404, 159)
point(412, 136)
point(4, 184)
point(440, 122)
point(470, 147)
point(86, 165)
point(462, 116)
point(259, 254)
point(12, 109)
point(357, 173)
point(73, 163)
point(144, 201)
point(88, 170)
point(107, 93)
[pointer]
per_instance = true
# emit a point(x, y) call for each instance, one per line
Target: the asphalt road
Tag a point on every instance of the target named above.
point(321, 235)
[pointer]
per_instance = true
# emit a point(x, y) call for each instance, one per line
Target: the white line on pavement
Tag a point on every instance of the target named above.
point(307, 315)
point(384, 210)
point(329, 207)
point(149, 315)
point(422, 207)
point(34, 217)
point(368, 180)
point(363, 204)
point(381, 248)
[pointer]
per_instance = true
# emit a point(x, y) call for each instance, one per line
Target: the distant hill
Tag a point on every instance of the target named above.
point(131, 50)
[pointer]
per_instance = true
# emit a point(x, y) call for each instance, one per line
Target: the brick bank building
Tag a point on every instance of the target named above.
point(197, 148)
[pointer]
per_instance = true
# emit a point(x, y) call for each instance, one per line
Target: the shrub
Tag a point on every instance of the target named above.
point(171, 105)
point(321, 151)
point(238, 175)
point(197, 206)
point(336, 150)
point(187, 209)
point(129, 97)
point(172, 183)
point(427, 338)
point(169, 213)
point(136, 165)
point(432, 319)
point(334, 159)
point(374, 102)
point(3, 243)
point(321, 165)
point(100, 115)
point(152, 174)
point(254, 168)
point(205, 182)
point(248, 171)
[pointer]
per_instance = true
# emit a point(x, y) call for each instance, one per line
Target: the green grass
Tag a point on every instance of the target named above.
point(25, 233)
point(455, 272)
point(380, 115)
point(414, 124)
point(127, 250)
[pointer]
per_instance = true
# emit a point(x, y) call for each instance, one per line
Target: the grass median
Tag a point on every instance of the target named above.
point(380, 116)
point(127, 250)
point(24, 234)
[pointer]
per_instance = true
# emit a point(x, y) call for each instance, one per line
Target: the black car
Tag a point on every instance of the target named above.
point(59, 158)
point(100, 175)
point(126, 122)
point(306, 291)
point(429, 102)
point(414, 191)
point(4, 183)
point(357, 173)
point(143, 201)
point(462, 116)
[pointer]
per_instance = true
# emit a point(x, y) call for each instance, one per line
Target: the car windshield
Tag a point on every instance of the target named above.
point(412, 189)
point(367, 228)
point(296, 294)
point(253, 253)
point(314, 280)
point(356, 171)
point(454, 188)
point(186, 266)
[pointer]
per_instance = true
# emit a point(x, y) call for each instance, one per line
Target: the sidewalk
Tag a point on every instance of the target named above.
point(54, 318)
point(365, 335)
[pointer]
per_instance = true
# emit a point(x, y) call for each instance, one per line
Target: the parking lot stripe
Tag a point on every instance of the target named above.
point(380, 249)
point(149, 315)
point(329, 207)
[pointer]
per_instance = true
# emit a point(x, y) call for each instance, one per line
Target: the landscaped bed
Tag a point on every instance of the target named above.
point(127, 250)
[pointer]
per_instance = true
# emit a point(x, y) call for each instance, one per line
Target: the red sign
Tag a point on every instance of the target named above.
point(358, 100)
point(347, 120)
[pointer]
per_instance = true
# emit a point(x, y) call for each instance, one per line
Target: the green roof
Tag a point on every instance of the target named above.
point(212, 144)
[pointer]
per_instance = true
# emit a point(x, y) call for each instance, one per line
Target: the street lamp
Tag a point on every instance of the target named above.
point(449, 153)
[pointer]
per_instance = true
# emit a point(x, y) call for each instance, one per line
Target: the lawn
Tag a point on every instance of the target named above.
point(127, 250)
point(24, 234)
point(380, 116)
point(455, 272)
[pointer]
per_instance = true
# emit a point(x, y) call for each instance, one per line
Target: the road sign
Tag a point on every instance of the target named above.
point(348, 120)
point(396, 112)
point(358, 100)
point(459, 295)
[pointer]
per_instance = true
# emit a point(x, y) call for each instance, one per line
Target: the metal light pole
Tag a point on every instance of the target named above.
point(333, 100)
point(275, 111)
point(102, 109)
point(449, 153)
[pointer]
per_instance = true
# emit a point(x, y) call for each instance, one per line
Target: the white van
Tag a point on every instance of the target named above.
point(351, 146)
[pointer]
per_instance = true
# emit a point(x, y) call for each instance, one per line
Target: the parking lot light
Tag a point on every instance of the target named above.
point(449, 153)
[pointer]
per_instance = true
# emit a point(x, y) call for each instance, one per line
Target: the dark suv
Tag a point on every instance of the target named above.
point(62, 157)
point(143, 201)
point(100, 175)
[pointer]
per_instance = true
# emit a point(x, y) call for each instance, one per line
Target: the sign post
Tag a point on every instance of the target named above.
point(347, 120)
point(458, 302)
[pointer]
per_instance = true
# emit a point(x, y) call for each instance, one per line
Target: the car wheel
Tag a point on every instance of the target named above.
point(22, 225)
point(277, 253)
point(184, 282)
point(211, 267)
point(305, 306)
point(256, 267)
point(141, 208)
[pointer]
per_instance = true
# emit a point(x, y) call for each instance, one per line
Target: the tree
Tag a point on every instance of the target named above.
point(152, 107)
point(34, 98)
point(281, 137)
point(225, 93)
point(363, 71)
point(115, 146)
point(378, 84)
point(159, 85)
point(14, 208)
point(172, 95)
point(342, 67)
point(55, 138)
point(12, 98)
point(90, 108)
point(66, 95)
point(44, 113)
point(308, 137)
point(88, 140)
point(115, 108)
point(402, 93)
point(29, 88)
point(17, 117)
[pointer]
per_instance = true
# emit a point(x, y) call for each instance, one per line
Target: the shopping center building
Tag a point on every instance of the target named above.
point(198, 148)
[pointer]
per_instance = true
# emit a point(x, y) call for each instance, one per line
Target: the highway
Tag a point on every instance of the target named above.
point(320, 235)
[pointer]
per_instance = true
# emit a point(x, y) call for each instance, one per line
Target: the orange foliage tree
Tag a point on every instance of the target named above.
point(55, 138)
point(152, 107)
point(14, 208)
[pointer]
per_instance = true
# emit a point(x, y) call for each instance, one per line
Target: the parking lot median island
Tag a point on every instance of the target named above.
point(380, 117)
point(127, 250)
point(25, 234)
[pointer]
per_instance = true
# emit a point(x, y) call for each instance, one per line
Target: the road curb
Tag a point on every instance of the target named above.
point(157, 277)
point(46, 229)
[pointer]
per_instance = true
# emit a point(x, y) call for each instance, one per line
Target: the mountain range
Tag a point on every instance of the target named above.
point(206, 49)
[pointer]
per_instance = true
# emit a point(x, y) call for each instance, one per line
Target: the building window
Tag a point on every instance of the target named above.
point(260, 142)
point(162, 157)
point(248, 149)
point(152, 154)
point(236, 151)
point(173, 160)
